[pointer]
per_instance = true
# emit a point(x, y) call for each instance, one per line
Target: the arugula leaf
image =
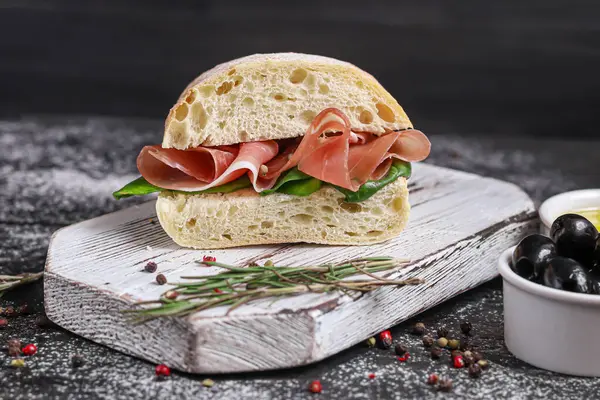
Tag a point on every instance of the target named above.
point(292, 182)
point(399, 168)
point(141, 186)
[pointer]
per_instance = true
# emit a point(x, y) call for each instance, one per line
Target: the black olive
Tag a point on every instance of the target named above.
point(567, 274)
point(531, 254)
point(575, 238)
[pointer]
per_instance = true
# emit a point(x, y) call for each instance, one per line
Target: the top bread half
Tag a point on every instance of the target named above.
point(276, 96)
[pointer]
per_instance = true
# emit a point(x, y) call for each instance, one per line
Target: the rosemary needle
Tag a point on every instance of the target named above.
point(237, 286)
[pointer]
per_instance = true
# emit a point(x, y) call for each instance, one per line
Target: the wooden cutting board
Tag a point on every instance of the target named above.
point(459, 225)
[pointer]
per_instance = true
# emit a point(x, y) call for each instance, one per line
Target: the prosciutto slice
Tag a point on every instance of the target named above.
point(329, 151)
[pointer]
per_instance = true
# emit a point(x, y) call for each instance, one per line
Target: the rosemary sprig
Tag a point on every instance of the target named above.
point(236, 286)
point(8, 282)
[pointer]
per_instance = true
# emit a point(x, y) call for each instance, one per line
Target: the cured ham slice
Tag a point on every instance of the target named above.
point(329, 151)
point(193, 170)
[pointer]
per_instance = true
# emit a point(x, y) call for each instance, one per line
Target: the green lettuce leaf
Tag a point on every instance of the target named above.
point(399, 168)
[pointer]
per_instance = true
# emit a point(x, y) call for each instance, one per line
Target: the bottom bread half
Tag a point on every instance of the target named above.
point(241, 218)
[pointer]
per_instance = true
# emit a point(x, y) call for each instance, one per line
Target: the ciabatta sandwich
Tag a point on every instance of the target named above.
point(277, 148)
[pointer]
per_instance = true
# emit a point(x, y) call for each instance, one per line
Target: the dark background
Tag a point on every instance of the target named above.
point(466, 66)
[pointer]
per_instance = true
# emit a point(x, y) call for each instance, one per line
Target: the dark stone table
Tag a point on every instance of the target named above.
point(58, 171)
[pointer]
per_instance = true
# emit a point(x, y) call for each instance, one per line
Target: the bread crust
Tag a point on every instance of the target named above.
point(242, 218)
point(275, 96)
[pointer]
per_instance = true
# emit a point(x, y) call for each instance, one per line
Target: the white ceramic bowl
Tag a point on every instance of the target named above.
point(566, 202)
point(550, 328)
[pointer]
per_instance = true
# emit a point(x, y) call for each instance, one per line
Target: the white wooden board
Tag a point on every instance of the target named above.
point(460, 223)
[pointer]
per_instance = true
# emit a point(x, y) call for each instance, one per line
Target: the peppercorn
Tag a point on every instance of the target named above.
point(469, 360)
point(208, 383)
point(17, 363)
point(315, 387)
point(427, 341)
point(445, 385)
point(484, 364)
point(161, 279)
point(23, 309)
point(436, 353)
point(400, 349)
point(468, 353)
point(171, 294)
point(151, 267)
point(43, 322)
point(453, 344)
point(458, 362)
point(162, 370)
point(269, 263)
point(3, 322)
point(432, 379)
point(385, 339)
point(13, 343)
point(14, 351)
point(466, 327)
point(29, 349)
point(474, 371)
point(77, 361)
point(442, 332)
point(371, 342)
point(9, 311)
point(477, 356)
point(455, 353)
point(442, 342)
point(419, 328)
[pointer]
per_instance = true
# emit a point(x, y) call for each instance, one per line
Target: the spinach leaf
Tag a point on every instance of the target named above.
point(141, 186)
point(399, 168)
point(138, 187)
point(294, 182)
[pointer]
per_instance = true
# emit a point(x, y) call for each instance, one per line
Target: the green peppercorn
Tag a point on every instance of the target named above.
point(442, 332)
point(268, 263)
point(453, 344)
point(484, 364)
point(474, 371)
point(371, 342)
point(442, 342)
point(208, 383)
point(427, 341)
point(436, 353)
point(419, 328)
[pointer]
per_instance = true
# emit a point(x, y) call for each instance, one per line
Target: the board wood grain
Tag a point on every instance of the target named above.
point(460, 223)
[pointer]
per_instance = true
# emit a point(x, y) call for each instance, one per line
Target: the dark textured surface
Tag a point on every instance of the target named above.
point(467, 64)
point(57, 171)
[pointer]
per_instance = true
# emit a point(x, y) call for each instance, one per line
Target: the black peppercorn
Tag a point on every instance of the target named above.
point(474, 371)
point(161, 279)
point(151, 267)
point(43, 322)
point(400, 349)
point(445, 385)
point(442, 332)
point(419, 328)
point(469, 360)
point(427, 341)
point(466, 327)
point(436, 353)
point(453, 344)
point(477, 356)
point(77, 361)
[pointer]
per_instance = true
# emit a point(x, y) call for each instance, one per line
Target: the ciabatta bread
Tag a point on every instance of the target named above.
point(215, 221)
point(276, 96)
